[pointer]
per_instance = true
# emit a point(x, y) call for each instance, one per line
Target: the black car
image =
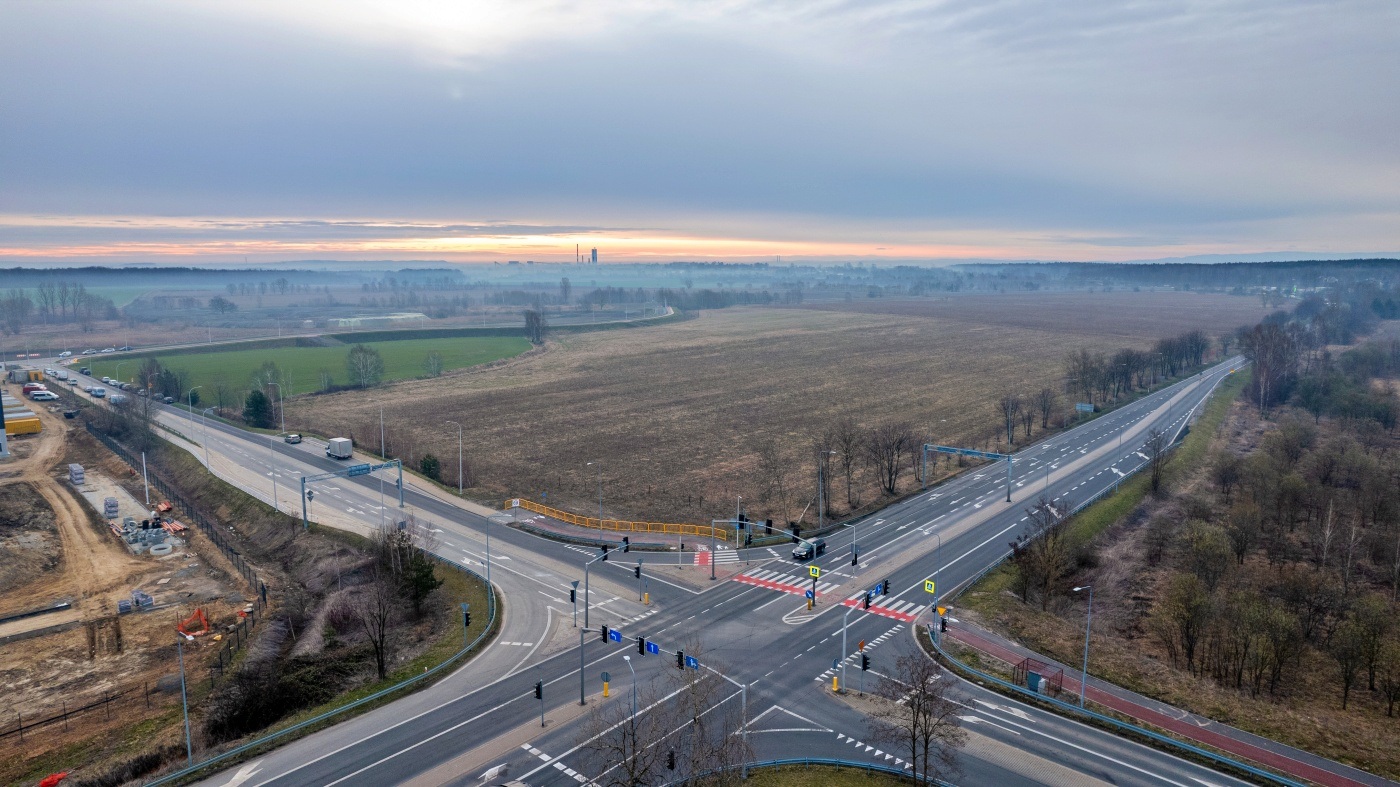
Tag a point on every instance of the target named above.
point(808, 549)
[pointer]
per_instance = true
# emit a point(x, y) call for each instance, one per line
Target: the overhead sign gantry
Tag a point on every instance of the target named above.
point(974, 453)
point(349, 472)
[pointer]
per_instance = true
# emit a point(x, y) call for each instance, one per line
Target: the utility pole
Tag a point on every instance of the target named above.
point(459, 456)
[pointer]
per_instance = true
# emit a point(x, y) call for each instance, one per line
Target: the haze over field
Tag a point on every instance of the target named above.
point(663, 130)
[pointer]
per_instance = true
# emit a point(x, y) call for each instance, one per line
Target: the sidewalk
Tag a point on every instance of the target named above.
point(1197, 729)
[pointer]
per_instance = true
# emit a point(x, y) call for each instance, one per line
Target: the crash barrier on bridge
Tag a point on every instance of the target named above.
point(1068, 709)
point(618, 525)
point(450, 661)
point(824, 762)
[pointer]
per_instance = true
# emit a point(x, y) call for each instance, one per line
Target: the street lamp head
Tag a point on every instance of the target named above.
point(1085, 587)
point(626, 658)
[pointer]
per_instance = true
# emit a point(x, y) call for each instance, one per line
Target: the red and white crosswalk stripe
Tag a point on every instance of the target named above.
point(703, 557)
point(785, 583)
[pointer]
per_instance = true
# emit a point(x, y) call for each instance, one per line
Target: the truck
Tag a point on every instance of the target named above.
point(339, 448)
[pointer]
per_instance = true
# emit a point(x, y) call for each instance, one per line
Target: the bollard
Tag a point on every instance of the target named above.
point(836, 684)
point(605, 690)
point(646, 599)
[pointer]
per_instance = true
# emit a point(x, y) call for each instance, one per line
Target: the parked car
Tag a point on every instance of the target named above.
point(99, 392)
point(71, 380)
point(89, 351)
point(117, 398)
point(123, 349)
point(292, 438)
point(87, 389)
point(66, 354)
point(141, 392)
point(808, 549)
point(110, 350)
point(169, 400)
point(43, 396)
point(85, 370)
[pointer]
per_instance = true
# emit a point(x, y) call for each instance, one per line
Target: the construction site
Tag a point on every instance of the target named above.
point(98, 582)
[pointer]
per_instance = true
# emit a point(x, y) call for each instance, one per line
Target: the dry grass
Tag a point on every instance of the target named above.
point(675, 413)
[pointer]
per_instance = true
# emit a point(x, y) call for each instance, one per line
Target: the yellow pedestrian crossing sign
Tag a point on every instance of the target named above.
point(929, 586)
point(814, 572)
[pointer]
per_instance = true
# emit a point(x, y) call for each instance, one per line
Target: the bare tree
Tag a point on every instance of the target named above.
point(1042, 553)
point(849, 446)
point(1045, 401)
point(774, 474)
point(432, 364)
point(535, 326)
point(1156, 448)
point(365, 365)
point(885, 447)
point(1027, 420)
point(824, 445)
point(374, 606)
point(1009, 406)
point(916, 714)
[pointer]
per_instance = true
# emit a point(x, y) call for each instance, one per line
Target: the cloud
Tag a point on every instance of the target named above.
point(867, 122)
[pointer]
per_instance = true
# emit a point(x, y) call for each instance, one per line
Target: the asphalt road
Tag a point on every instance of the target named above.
point(755, 627)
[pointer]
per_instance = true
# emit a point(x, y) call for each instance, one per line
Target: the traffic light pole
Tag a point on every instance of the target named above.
point(586, 566)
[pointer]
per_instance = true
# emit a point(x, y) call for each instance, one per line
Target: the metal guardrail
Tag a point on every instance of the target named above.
point(826, 762)
point(1067, 709)
point(619, 525)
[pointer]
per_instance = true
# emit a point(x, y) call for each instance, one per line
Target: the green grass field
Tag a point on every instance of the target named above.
point(302, 366)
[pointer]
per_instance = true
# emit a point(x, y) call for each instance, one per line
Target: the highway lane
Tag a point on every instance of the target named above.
point(748, 625)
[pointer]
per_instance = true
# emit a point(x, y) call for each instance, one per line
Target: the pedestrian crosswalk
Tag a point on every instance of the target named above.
point(854, 655)
point(780, 581)
point(719, 557)
point(906, 611)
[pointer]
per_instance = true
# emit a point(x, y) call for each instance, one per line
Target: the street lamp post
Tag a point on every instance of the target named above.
point(118, 374)
point(204, 422)
point(281, 407)
point(459, 456)
point(586, 566)
point(628, 659)
point(190, 396)
point(1088, 621)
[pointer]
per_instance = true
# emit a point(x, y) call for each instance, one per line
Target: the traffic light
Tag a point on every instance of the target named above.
point(466, 619)
point(638, 571)
point(748, 539)
point(642, 645)
point(855, 559)
point(671, 760)
point(539, 689)
point(867, 599)
point(768, 527)
point(680, 659)
point(604, 547)
point(603, 630)
point(626, 544)
point(796, 534)
point(864, 661)
point(942, 624)
point(885, 588)
point(573, 595)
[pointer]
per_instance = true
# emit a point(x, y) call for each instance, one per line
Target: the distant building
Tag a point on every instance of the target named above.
point(595, 256)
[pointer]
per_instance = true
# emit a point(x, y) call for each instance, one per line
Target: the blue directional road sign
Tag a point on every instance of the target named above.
point(615, 635)
point(692, 662)
point(810, 594)
point(653, 649)
point(355, 470)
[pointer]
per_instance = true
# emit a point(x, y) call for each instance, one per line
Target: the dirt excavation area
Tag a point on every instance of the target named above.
point(74, 666)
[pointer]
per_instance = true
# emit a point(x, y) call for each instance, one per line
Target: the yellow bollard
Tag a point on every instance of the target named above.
point(605, 690)
point(809, 603)
point(836, 684)
point(646, 599)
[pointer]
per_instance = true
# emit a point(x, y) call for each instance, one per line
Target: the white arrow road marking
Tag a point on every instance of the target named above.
point(244, 774)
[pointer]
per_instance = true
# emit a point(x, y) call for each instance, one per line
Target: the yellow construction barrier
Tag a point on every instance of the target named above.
point(618, 524)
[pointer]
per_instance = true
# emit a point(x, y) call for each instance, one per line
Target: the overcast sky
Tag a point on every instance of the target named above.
point(699, 130)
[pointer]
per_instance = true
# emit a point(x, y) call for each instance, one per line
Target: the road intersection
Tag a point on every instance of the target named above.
point(754, 625)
